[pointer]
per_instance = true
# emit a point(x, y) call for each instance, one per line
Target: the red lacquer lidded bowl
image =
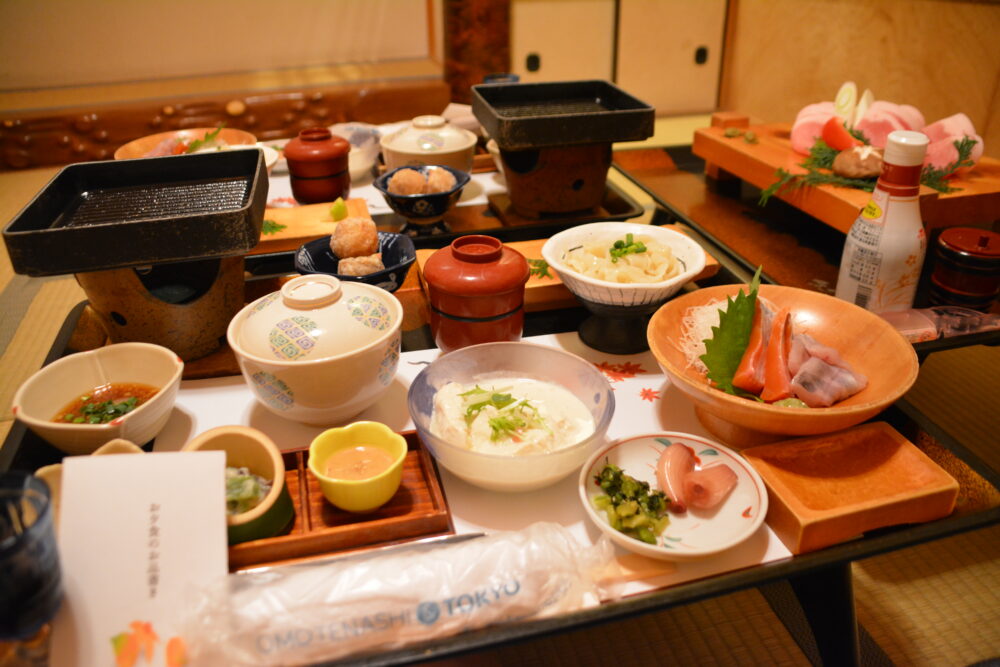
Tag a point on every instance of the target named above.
point(476, 291)
point(318, 166)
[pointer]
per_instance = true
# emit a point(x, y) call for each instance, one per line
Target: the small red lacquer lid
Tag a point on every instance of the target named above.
point(315, 144)
point(973, 242)
point(476, 276)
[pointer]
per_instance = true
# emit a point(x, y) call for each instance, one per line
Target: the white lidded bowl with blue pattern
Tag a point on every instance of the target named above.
point(320, 350)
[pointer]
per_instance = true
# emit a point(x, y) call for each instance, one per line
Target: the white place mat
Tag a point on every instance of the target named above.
point(645, 402)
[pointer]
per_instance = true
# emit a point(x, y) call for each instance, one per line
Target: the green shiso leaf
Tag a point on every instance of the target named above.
point(724, 350)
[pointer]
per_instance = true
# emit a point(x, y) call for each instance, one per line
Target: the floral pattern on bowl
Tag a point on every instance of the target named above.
point(694, 533)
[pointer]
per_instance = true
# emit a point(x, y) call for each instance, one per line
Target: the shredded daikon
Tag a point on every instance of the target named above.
point(696, 327)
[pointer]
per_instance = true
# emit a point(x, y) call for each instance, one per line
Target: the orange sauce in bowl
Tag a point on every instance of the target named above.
point(361, 462)
point(105, 403)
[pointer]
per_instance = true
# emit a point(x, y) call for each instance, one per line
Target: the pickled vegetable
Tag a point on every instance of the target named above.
point(630, 506)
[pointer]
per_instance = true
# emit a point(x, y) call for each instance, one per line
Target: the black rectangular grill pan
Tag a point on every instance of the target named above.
point(123, 213)
point(522, 116)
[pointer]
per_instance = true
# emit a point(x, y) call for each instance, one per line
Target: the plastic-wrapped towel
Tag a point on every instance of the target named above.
point(324, 611)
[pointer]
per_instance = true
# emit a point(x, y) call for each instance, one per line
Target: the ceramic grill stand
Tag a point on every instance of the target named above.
point(156, 243)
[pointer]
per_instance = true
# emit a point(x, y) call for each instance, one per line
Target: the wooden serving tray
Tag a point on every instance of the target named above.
point(548, 292)
point(418, 509)
point(975, 203)
point(302, 224)
point(830, 488)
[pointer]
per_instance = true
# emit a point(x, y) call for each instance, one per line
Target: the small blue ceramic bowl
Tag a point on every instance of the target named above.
point(422, 209)
point(398, 253)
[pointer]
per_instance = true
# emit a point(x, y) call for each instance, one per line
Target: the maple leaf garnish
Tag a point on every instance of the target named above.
point(647, 394)
point(619, 372)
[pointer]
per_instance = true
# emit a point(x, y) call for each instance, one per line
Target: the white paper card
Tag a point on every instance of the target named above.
point(138, 535)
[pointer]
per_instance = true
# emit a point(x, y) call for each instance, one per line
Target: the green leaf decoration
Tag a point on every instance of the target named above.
point(663, 441)
point(724, 350)
point(271, 227)
point(708, 452)
point(538, 268)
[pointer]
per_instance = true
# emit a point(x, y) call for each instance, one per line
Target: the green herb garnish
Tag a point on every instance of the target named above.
point(504, 426)
point(512, 416)
point(750, 137)
point(209, 137)
point(271, 227)
point(724, 350)
point(937, 178)
point(627, 247)
point(821, 157)
point(538, 268)
point(629, 505)
point(102, 413)
point(732, 132)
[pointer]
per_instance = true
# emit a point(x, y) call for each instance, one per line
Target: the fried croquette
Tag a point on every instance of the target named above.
point(407, 182)
point(354, 237)
point(440, 180)
point(360, 266)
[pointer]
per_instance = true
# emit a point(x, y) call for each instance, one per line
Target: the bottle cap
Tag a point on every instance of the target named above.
point(906, 148)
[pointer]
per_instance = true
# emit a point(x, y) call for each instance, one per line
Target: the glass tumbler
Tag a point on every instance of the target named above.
point(30, 577)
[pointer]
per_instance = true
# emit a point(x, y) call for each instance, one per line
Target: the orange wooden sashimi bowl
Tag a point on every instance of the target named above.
point(866, 341)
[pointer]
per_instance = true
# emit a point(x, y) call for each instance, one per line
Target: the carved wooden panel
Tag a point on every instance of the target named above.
point(476, 43)
point(61, 136)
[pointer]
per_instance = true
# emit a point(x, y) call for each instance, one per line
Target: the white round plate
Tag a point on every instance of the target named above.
point(694, 533)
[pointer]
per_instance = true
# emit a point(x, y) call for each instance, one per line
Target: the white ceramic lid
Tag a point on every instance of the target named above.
point(427, 135)
point(316, 316)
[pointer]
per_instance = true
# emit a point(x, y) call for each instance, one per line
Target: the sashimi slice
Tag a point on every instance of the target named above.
point(912, 116)
point(877, 125)
point(942, 153)
point(675, 462)
point(957, 126)
point(908, 116)
point(749, 375)
point(806, 130)
point(805, 346)
point(706, 488)
point(777, 379)
point(820, 384)
point(818, 108)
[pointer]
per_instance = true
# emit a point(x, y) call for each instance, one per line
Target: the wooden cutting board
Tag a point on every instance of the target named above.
point(977, 203)
point(302, 224)
point(548, 292)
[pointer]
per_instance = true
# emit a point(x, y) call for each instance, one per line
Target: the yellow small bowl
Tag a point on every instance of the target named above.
point(361, 495)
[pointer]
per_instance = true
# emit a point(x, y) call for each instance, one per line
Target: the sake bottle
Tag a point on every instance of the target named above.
point(885, 248)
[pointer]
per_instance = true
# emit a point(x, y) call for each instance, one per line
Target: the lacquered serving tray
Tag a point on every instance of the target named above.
point(418, 509)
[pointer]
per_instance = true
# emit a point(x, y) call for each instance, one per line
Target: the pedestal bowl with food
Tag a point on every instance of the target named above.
point(422, 194)
point(622, 272)
point(783, 361)
point(320, 350)
point(511, 416)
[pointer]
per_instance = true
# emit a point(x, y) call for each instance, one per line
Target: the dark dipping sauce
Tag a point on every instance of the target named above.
point(105, 403)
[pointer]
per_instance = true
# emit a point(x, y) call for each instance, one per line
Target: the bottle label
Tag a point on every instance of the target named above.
point(872, 211)
point(881, 262)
